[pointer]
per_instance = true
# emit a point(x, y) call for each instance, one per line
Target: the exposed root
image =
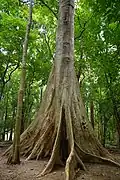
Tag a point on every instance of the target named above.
point(9, 159)
point(71, 161)
point(55, 151)
point(88, 157)
point(81, 164)
point(39, 147)
point(6, 153)
point(69, 168)
point(98, 159)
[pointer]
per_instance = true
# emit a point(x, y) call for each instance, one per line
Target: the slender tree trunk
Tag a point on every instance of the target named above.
point(104, 130)
point(2, 118)
point(118, 129)
point(11, 133)
point(14, 158)
point(12, 121)
point(5, 119)
point(22, 119)
point(7, 134)
point(3, 136)
point(41, 93)
point(92, 113)
point(99, 129)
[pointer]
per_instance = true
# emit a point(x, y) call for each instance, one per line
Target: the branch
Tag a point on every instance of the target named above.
point(84, 27)
point(47, 42)
point(49, 8)
point(11, 73)
point(45, 4)
point(80, 35)
point(4, 73)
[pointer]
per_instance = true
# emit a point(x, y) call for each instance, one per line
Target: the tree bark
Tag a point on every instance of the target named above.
point(92, 113)
point(22, 119)
point(105, 121)
point(14, 157)
point(61, 118)
point(11, 133)
point(5, 118)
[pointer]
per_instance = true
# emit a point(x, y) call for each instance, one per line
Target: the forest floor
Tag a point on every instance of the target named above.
point(29, 170)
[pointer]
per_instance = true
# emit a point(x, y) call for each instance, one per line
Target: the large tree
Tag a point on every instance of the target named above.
point(60, 129)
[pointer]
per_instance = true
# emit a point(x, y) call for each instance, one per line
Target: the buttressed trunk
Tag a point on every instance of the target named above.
point(60, 130)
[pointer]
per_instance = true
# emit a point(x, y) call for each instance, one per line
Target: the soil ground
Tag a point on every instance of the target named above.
point(29, 170)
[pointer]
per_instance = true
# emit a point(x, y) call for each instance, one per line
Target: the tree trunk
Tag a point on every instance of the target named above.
point(60, 129)
point(118, 130)
point(41, 93)
point(22, 119)
point(105, 122)
point(14, 157)
point(5, 119)
point(12, 121)
point(11, 132)
point(92, 113)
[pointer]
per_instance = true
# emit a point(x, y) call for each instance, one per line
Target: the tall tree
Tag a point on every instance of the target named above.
point(60, 129)
point(14, 158)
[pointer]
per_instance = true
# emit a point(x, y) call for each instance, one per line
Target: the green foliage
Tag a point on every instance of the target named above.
point(97, 58)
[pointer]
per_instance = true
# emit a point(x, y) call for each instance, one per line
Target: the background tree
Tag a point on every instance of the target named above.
point(15, 156)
